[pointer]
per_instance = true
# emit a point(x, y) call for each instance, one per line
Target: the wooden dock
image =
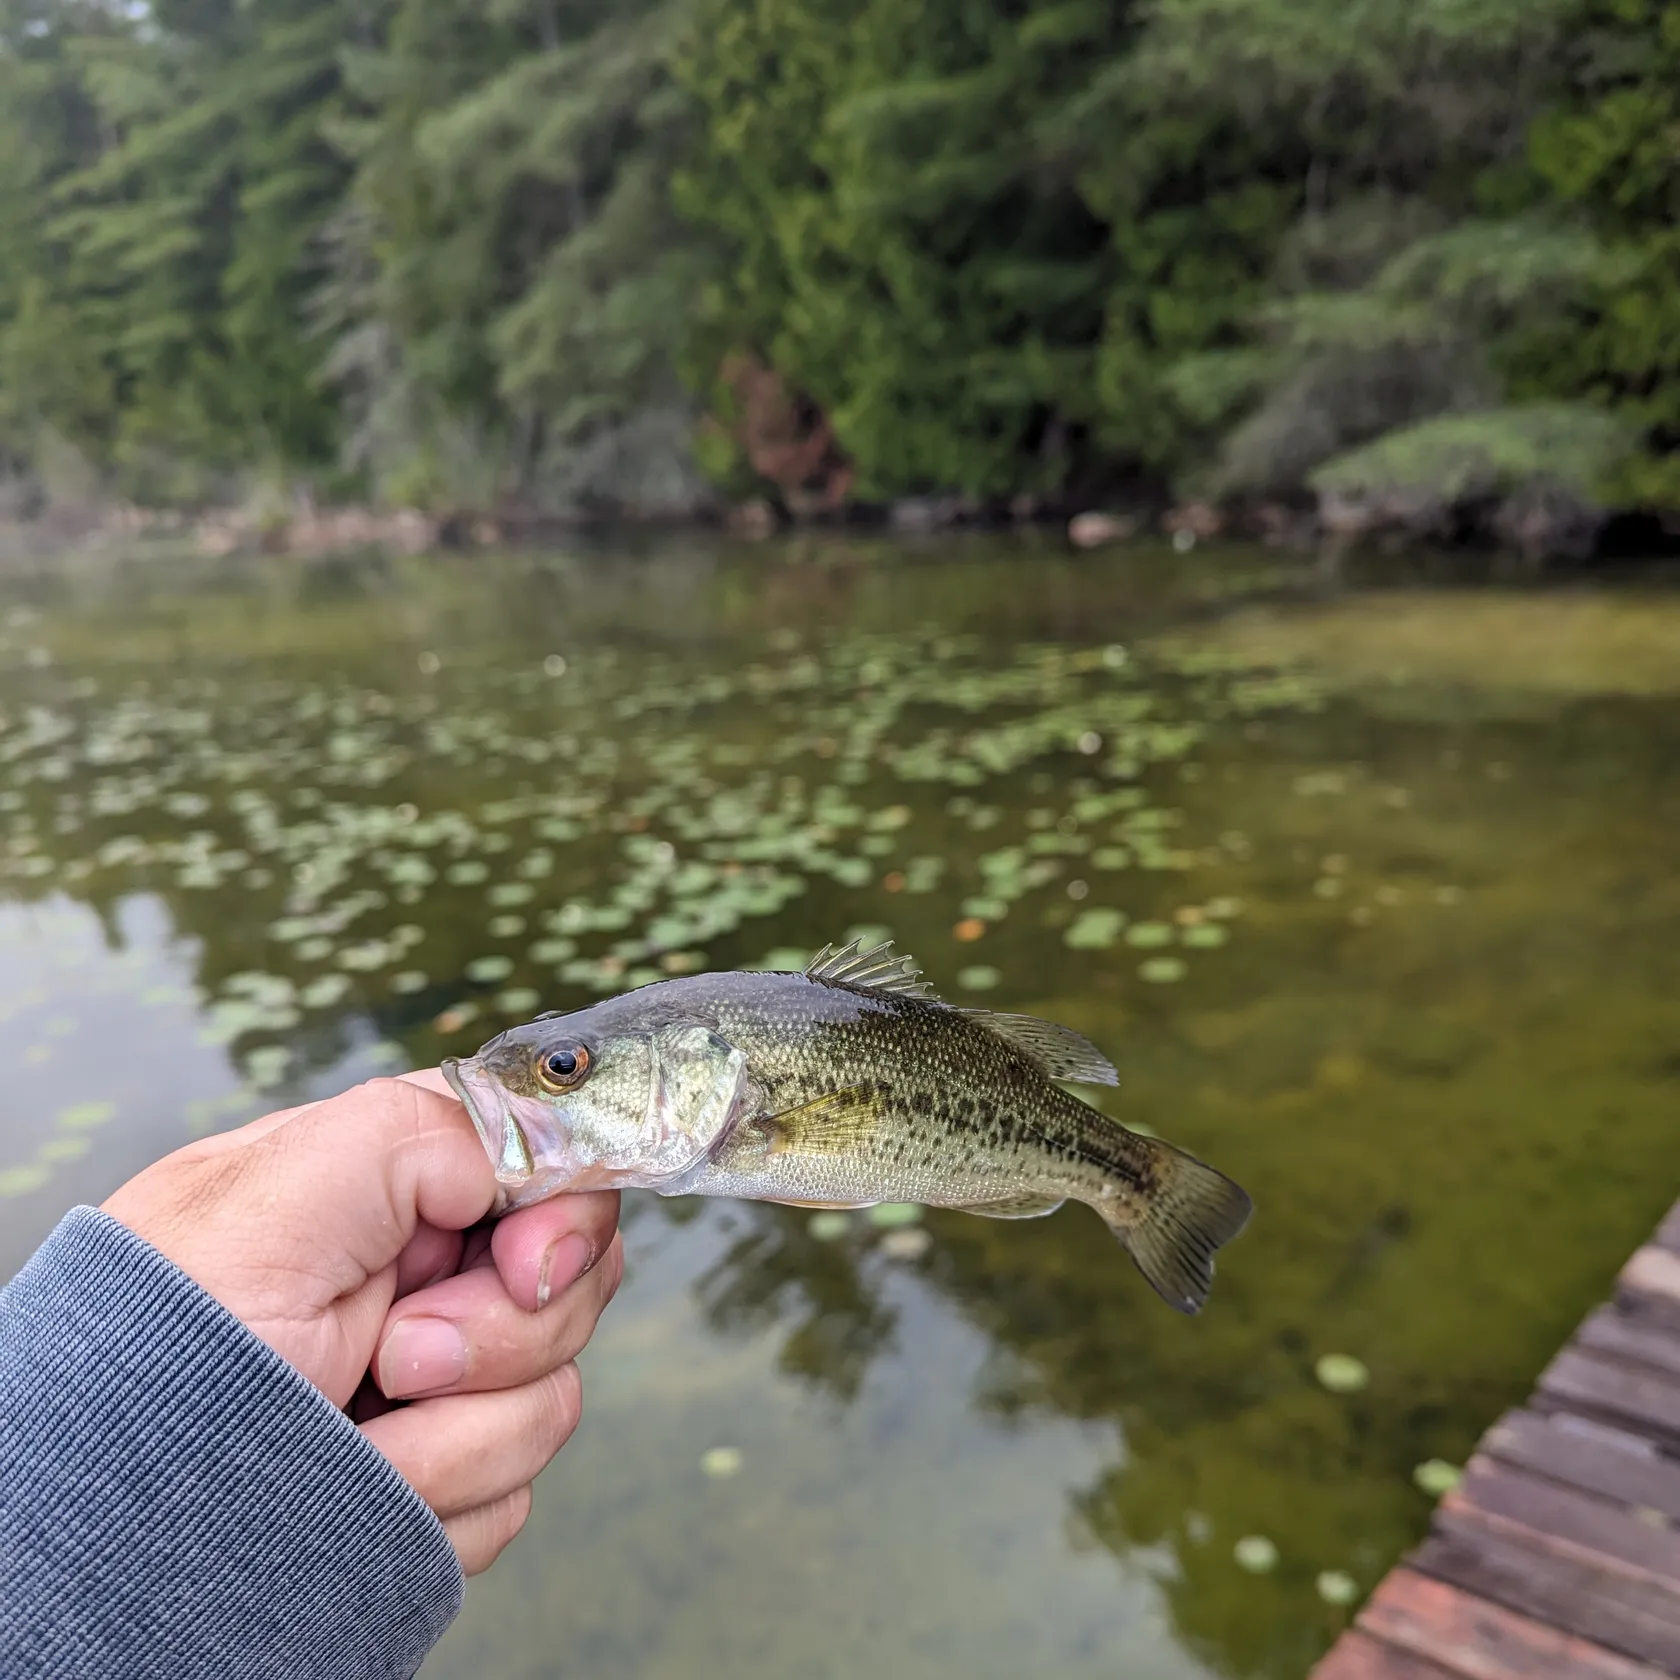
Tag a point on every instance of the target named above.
point(1558, 1555)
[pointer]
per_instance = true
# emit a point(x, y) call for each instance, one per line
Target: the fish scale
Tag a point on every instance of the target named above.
point(845, 1085)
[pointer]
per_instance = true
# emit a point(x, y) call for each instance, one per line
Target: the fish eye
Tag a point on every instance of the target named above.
point(560, 1070)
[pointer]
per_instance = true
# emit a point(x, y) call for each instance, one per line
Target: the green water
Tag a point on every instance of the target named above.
point(1371, 896)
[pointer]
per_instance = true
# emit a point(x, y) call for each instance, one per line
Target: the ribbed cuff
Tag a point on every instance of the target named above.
point(175, 1499)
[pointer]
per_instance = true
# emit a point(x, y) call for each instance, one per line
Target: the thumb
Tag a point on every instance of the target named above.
point(369, 1166)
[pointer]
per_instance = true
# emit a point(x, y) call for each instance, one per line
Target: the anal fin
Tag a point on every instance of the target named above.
point(1009, 1207)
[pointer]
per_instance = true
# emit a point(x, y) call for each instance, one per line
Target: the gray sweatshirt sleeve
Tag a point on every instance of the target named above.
point(175, 1499)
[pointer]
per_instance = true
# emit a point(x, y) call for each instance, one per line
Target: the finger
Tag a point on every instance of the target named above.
point(478, 1536)
point(373, 1164)
point(428, 1079)
point(466, 1334)
point(537, 1248)
point(467, 1450)
point(431, 1256)
point(237, 1137)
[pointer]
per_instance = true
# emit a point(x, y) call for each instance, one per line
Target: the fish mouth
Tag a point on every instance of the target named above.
point(497, 1126)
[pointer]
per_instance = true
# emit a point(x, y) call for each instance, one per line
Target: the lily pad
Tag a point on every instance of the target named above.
point(19, 1181)
point(1149, 935)
point(1335, 1586)
point(488, 970)
point(325, 991)
point(1435, 1476)
point(721, 1462)
point(1341, 1373)
point(1256, 1554)
point(978, 978)
point(829, 1225)
point(887, 1215)
point(1205, 935)
point(83, 1115)
point(1163, 971)
point(1094, 930)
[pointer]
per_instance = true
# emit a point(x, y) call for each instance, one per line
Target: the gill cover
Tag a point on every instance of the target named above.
point(651, 1110)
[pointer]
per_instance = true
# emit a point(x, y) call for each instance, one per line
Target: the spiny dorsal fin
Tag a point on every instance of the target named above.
point(1060, 1051)
point(879, 969)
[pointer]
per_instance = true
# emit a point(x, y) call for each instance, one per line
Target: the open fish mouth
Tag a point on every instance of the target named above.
point(497, 1126)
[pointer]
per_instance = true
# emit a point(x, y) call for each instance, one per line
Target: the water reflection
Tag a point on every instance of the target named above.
point(1394, 946)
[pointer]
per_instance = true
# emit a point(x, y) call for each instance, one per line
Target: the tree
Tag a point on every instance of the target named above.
point(907, 248)
point(1612, 148)
point(522, 283)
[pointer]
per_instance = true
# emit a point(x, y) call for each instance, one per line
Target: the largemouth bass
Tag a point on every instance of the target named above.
point(842, 1086)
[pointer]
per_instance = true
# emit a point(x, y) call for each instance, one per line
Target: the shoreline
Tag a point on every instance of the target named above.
point(1529, 537)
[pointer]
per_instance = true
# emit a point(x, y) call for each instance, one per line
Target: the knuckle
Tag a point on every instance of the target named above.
point(558, 1399)
point(612, 1268)
point(509, 1515)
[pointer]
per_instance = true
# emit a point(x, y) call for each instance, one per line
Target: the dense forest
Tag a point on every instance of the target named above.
point(551, 254)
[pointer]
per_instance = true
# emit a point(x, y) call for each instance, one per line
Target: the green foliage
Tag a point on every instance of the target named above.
point(1611, 148)
point(907, 249)
point(595, 253)
point(1461, 456)
point(511, 276)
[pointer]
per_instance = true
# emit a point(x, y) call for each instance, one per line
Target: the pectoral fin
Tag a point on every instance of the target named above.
point(835, 1123)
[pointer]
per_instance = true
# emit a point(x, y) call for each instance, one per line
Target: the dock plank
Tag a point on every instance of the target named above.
point(1557, 1588)
point(1639, 1400)
point(1596, 1458)
point(1616, 1336)
point(1668, 1233)
point(1571, 1518)
point(1648, 1289)
point(1557, 1557)
point(1483, 1641)
point(1356, 1656)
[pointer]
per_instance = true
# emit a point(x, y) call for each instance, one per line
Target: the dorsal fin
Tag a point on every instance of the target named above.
point(1060, 1051)
point(879, 969)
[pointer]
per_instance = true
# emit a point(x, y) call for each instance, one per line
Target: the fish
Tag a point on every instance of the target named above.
point(845, 1085)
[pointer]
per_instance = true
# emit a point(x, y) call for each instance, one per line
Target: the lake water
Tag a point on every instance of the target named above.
point(1369, 892)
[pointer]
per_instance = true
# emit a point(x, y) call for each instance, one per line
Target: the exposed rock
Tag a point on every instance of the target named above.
point(755, 518)
point(928, 513)
point(1543, 520)
point(1201, 519)
point(1093, 529)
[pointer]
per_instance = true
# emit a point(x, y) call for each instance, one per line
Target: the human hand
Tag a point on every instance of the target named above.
point(338, 1233)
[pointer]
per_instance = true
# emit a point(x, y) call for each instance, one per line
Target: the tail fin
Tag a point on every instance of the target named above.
point(1173, 1222)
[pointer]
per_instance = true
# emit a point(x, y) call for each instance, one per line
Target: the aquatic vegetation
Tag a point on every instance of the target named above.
point(1341, 1373)
point(887, 1216)
point(1335, 1586)
point(1094, 930)
point(1435, 1477)
point(721, 1462)
point(326, 832)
